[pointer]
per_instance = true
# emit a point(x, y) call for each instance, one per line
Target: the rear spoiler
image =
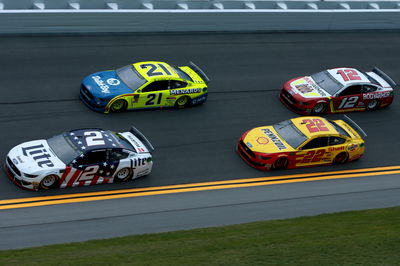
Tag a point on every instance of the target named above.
point(383, 75)
point(356, 127)
point(199, 72)
point(142, 138)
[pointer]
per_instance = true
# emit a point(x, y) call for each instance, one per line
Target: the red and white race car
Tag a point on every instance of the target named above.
point(338, 90)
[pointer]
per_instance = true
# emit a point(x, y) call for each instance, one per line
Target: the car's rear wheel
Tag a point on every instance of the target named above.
point(373, 104)
point(341, 158)
point(49, 181)
point(182, 102)
point(280, 163)
point(319, 108)
point(123, 175)
point(118, 106)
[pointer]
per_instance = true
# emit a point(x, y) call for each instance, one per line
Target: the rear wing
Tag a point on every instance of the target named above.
point(142, 138)
point(383, 75)
point(199, 72)
point(356, 127)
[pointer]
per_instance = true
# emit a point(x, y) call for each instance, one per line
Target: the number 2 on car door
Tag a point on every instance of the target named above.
point(151, 98)
point(348, 102)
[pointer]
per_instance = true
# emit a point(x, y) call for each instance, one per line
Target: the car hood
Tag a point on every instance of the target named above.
point(34, 157)
point(105, 84)
point(266, 140)
point(307, 88)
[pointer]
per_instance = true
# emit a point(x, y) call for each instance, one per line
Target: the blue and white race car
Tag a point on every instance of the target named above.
point(80, 157)
point(144, 85)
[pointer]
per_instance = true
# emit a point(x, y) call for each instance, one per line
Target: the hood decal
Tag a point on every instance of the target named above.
point(307, 88)
point(39, 154)
point(274, 138)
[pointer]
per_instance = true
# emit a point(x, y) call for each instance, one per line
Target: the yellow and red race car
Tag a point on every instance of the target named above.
point(144, 85)
point(301, 142)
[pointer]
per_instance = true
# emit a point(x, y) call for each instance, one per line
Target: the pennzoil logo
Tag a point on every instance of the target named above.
point(278, 143)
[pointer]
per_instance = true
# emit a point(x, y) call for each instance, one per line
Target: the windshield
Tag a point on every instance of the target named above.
point(182, 74)
point(290, 133)
point(327, 82)
point(130, 77)
point(339, 129)
point(63, 149)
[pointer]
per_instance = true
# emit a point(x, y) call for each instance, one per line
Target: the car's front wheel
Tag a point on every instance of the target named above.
point(49, 181)
point(123, 175)
point(280, 163)
point(118, 106)
point(319, 108)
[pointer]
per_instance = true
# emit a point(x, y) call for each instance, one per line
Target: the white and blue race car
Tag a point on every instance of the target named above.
point(80, 157)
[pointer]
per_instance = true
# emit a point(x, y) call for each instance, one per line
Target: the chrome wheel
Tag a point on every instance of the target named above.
point(118, 105)
point(182, 102)
point(341, 158)
point(319, 108)
point(123, 174)
point(48, 181)
point(372, 104)
point(280, 163)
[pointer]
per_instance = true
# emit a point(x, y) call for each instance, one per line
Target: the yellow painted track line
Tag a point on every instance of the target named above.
point(192, 189)
point(234, 181)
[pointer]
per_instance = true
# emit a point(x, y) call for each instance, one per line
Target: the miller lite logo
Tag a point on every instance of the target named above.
point(39, 154)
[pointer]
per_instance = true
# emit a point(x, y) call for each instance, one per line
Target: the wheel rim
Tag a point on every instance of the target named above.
point(123, 173)
point(49, 180)
point(372, 104)
point(181, 101)
point(118, 105)
point(319, 108)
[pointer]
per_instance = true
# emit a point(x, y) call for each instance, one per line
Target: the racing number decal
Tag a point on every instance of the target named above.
point(313, 156)
point(94, 138)
point(315, 125)
point(151, 97)
point(348, 102)
point(88, 173)
point(349, 74)
point(153, 67)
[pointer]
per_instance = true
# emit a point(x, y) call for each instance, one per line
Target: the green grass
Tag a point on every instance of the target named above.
point(369, 237)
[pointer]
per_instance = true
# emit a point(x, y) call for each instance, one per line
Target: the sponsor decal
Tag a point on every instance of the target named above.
point(249, 144)
point(304, 88)
point(185, 91)
point(139, 162)
point(199, 99)
point(38, 154)
point(113, 82)
point(316, 87)
point(104, 88)
point(262, 140)
point(278, 143)
point(352, 147)
point(135, 98)
point(376, 95)
point(336, 148)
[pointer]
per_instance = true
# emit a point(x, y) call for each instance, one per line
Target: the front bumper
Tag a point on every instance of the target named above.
point(292, 104)
point(18, 180)
point(251, 160)
point(91, 103)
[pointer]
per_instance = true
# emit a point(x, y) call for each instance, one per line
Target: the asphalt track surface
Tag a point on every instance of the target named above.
point(40, 79)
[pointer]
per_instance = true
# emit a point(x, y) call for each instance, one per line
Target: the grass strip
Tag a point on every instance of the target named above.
point(370, 237)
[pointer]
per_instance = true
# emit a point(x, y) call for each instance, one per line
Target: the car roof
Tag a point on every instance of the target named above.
point(314, 126)
point(89, 139)
point(156, 70)
point(349, 76)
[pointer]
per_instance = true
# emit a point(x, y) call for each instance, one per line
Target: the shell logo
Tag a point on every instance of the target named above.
point(262, 140)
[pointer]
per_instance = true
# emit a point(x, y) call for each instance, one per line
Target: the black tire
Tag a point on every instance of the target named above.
point(49, 181)
point(280, 163)
point(319, 108)
point(341, 158)
point(118, 106)
point(373, 104)
point(123, 175)
point(182, 102)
